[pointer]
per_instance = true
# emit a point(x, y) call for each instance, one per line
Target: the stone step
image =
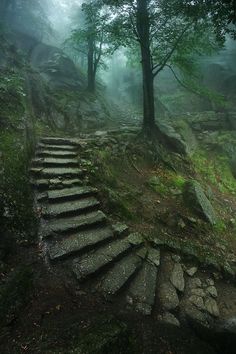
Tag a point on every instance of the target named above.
point(119, 275)
point(55, 162)
point(97, 260)
point(82, 241)
point(56, 183)
point(55, 147)
point(59, 141)
point(142, 290)
point(50, 172)
point(57, 153)
point(70, 207)
point(70, 193)
point(69, 225)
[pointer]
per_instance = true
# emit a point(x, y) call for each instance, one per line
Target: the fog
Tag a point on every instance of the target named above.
point(53, 23)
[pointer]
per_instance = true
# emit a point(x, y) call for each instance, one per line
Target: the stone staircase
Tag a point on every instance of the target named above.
point(77, 233)
point(73, 227)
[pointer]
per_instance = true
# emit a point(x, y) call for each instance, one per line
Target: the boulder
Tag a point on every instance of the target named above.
point(172, 138)
point(196, 199)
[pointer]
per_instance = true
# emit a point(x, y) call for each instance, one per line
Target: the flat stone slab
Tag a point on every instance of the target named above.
point(143, 288)
point(69, 225)
point(78, 242)
point(56, 183)
point(117, 277)
point(71, 192)
point(98, 259)
point(51, 172)
point(56, 147)
point(59, 141)
point(70, 207)
point(57, 161)
point(56, 153)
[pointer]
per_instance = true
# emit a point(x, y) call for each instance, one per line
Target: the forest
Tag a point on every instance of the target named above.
point(118, 176)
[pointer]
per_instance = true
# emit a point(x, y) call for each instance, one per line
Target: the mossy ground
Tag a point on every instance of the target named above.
point(139, 189)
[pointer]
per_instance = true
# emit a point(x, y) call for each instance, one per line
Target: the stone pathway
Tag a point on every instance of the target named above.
point(76, 231)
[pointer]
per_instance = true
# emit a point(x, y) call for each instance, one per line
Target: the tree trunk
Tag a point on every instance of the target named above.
point(143, 29)
point(91, 71)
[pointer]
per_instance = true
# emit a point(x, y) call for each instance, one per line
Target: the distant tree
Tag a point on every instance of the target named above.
point(169, 34)
point(90, 38)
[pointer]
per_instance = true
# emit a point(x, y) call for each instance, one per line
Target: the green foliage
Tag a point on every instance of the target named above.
point(220, 226)
point(215, 168)
point(167, 183)
point(12, 97)
point(18, 216)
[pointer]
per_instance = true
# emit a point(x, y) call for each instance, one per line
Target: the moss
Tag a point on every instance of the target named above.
point(166, 183)
point(215, 169)
point(220, 226)
point(15, 191)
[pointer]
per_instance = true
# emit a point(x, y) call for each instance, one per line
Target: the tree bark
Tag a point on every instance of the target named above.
point(143, 30)
point(91, 71)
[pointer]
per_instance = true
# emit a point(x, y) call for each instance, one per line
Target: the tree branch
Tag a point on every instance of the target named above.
point(181, 83)
point(169, 55)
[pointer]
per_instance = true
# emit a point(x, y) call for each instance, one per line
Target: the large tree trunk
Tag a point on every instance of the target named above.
point(91, 71)
point(143, 28)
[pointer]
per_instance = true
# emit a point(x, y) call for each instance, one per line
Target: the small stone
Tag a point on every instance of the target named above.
point(191, 271)
point(212, 307)
point(197, 301)
point(169, 318)
point(129, 300)
point(168, 296)
point(210, 282)
point(177, 277)
point(176, 258)
point(181, 224)
point(211, 290)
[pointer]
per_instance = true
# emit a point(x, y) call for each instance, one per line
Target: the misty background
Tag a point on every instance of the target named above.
point(121, 77)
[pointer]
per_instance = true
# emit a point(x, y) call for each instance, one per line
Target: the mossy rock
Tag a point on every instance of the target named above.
point(196, 199)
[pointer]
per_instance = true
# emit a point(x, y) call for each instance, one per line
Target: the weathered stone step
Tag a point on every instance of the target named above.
point(50, 172)
point(74, 224)
point(79, 242)
point(55, 162)
point(56, 183)
point(119, 275)
point(142, 290)
point(55, 147)
point(70, 193)
point(57, 153)
point(59, 141)
point(70, 208)
point(95, 261)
